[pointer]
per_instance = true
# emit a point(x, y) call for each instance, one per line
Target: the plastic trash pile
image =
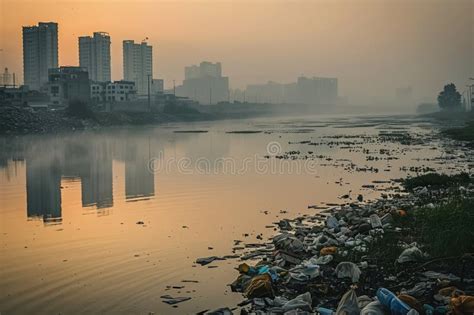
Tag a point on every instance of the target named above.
point(324, 264)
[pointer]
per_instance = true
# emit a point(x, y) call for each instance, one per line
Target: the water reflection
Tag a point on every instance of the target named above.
point(43, 190)
point(73, 159)
point(139, 180)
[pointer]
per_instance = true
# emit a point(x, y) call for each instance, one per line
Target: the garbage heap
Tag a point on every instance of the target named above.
point(361, 258)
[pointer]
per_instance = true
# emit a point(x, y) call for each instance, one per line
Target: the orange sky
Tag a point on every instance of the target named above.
point(371, 46)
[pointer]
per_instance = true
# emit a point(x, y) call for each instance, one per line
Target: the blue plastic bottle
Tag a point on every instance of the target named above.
point(324, 311)
point(392, 302)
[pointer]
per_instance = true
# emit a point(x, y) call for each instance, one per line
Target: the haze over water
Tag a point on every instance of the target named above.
point(70, 204)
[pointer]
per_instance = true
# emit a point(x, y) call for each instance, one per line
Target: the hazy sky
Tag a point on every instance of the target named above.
point(371, 46)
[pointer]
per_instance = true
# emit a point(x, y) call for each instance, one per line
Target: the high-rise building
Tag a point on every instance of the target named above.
point(40, 53)
point(94, 55)
point(138, 64)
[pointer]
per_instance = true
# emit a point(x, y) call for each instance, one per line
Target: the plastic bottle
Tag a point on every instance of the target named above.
point(392, 302)
point(324, 311)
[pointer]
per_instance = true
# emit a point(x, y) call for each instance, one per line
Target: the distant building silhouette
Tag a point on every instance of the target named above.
point(6, 78)
point(138, 64)
point(311, 91)
point(94, 56)
point(205, 83)
point(43, 189)
point(40, 53)
point(67, 84)
point(320, 91)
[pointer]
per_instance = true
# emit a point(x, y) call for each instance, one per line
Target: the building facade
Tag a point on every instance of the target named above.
point(94, 56)
point(112, 92)
point(120, 91)
point(40, 53)
point(68, 84)
point(138, 64)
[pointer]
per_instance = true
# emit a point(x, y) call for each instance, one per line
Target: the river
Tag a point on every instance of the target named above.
point(108, 221)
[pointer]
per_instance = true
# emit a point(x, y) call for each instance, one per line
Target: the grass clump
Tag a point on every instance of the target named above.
point(436, 180)
point(465, 133)
point(447, 229)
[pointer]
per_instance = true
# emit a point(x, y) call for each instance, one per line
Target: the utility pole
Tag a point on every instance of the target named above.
point(210, 96)
point(174, 89)
point(149, 98)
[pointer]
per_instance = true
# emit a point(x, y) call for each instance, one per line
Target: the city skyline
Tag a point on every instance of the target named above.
point(325, 40)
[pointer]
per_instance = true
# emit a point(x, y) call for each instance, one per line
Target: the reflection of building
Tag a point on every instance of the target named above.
point(139, 179)
point(138, 64)
point(205, 83)
point(43, 189)
point(67, 84)
point(96, 178)
point(92, 163)
point(40, 53)
point(94, 56)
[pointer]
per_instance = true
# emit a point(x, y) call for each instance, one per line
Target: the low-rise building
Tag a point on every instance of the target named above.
point(66, 84)
point(120, 91)
point(113, 92)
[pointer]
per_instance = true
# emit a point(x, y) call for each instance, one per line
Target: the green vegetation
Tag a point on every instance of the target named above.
point(80, 109)
point(436, 180)
point(449, 98)
point(446, 229)
point(465, 133)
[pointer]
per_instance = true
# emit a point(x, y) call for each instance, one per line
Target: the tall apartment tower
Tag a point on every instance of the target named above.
point(138, 64)
point(40, 53)
point(94, 55)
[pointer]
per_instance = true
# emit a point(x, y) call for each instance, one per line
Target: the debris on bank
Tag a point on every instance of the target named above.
point(363, 258)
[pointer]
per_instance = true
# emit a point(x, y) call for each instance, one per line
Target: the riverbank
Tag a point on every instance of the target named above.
point(23, 120)
point(416, 242)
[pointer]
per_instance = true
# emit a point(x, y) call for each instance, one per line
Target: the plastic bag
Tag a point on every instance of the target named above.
point(348, 304)
point(410, 254)
point(463, 304)
point(302, 302)
point(348, 269)
point(373, 308)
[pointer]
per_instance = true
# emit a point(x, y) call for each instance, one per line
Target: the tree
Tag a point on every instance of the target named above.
point(449, 98)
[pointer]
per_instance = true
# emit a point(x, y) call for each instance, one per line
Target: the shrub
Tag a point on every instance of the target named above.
point(436, 180)
point(80, 109)
point(447, 229)
point(465, 133)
